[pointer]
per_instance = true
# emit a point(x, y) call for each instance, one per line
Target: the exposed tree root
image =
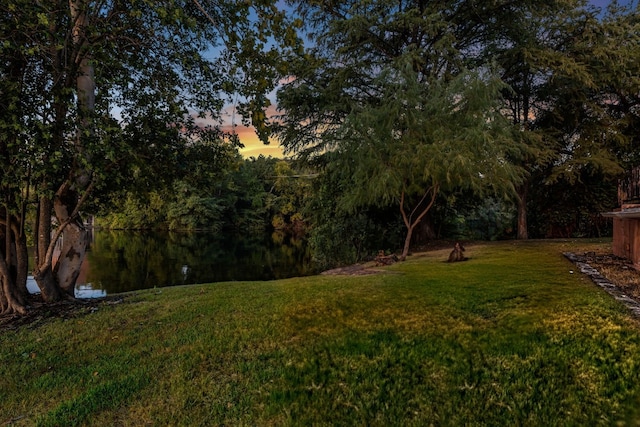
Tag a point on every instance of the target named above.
point(38, 312)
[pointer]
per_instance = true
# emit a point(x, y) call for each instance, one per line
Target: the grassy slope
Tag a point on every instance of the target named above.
point(508, 338)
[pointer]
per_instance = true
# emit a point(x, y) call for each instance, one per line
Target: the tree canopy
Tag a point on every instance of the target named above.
point(95, 91)
point(400, 91)
point(559, 60)
point(565, 95)
point(421, 139)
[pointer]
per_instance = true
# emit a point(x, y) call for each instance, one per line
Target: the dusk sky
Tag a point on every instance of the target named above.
point(254, 147)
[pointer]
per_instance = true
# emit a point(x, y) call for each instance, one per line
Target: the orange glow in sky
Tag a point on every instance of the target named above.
point(253, 147)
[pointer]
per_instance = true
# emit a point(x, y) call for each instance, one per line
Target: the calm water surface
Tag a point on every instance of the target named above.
point(121, 261)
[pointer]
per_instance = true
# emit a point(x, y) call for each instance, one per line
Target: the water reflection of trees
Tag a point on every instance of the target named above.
point(124, 260)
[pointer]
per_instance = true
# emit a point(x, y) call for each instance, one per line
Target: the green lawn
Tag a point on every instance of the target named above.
point(508, 338)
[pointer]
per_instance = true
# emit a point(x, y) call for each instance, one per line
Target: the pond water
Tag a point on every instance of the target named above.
point(121, 261)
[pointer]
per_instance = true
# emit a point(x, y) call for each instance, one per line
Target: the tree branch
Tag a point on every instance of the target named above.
point(434, 192)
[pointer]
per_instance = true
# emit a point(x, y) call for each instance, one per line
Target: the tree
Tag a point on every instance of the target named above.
point(572, 207)
point(79, 73)
point(425, 138)
point(383, 77)
point(290, 189)
point(570, 95)
point(570, 76)
point(14, 161)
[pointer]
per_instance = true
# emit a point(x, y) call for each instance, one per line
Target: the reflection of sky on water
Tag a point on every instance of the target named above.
point(84, 290)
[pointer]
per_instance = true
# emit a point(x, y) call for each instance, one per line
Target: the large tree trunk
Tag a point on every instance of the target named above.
point(20, 259)
point(75, 242)
point(9, 300)
point(407, 244)
point(522, 191)
point(56, 274)
point(74, 248)
point(75, 237)
point(56, 280)
point(43, 270)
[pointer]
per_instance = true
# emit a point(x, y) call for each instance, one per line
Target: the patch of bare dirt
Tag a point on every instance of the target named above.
point(354, 270)
point(40, 313)
point(370, 267)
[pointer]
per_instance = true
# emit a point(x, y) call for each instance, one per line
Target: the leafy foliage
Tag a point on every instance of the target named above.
point(483, 219)
point(573, 209)
point(450, 135)
point(567, 96)
point(214, 190)
point(389, 89)
point(338, 237)
point(564, 71)
point(99, 92)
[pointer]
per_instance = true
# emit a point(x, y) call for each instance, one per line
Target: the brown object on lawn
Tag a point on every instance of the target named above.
point(382, 259)
point(457, 254)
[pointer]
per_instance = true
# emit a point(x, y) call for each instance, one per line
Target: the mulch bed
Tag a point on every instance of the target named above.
point(615, 275)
